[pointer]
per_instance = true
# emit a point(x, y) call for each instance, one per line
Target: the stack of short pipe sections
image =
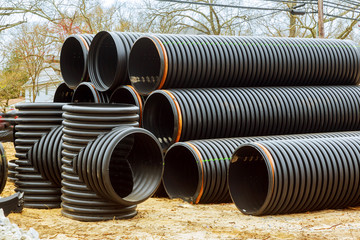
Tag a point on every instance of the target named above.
point(101, 59)
point(196, 171)
point(186, 61)
point(288, 176)
point(35, 121)
point(109, 164)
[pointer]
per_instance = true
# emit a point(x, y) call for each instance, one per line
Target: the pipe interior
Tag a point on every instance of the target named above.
point(123, 95)
point(159, 118)
point(144, 65)
point(63, 93)
point(181, 173)
point(84, 94)
point(106, 60)
point(136, 167)
point(248, 179)
point(72, 62)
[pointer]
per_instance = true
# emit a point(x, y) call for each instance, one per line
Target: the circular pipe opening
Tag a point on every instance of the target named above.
point(160, 118)
point(146, 67)
point(86, 92)
point(182, 173)
point(248, 179)
point(124, 94)
point(103, 61)
point(63, 93)
point(73, 61)
point(136, 166)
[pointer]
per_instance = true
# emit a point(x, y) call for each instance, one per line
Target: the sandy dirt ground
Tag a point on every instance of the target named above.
point(175, 219)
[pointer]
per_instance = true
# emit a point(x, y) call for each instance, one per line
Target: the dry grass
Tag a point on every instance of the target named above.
point(175, 219)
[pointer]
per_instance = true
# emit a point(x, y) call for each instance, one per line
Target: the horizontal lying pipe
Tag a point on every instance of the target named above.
point(108, 59)
point(186, 61)
point(87, 93)
point(73, 59)
point(127, 94)
point(288, 176)
point(187, 114)
point(196, 171)
point(124, 165)
point(63, 93)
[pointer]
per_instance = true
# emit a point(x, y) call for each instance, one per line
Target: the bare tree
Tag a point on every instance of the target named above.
point(179, 17)
point(31, 48)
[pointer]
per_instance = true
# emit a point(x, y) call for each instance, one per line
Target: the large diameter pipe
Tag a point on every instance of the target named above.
point(108, 59)
point(196, 171)
point(288, 176)
point(189, 114)
point(124, 165)
point(73, 59)
point(187, 61)
point(83, 123)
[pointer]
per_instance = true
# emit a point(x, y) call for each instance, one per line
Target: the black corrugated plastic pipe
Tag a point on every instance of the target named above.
point(187, 61)
point(3, 168)
point(127, 94)
point(12, 170)
point(63, 93)
point(188, 114)
point(45, 155)
point(108, 59)
point(83, 123)
point(34, 121)
point(277, 177)
point(86, 92)
point(73, 59)
point(196, 171)
point(124, 166)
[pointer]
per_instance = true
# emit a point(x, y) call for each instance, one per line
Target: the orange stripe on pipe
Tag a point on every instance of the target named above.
point(166, 64)
point(140, 103)
point(177, 138)
point(85, 43)
point(202, 172)
point(271, 160)
point(97, 94)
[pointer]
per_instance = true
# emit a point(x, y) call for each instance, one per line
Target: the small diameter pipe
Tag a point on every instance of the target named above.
point(127, 94)
point(73, 59)
point(63, 93)
point(87, 93)
point(288, 176)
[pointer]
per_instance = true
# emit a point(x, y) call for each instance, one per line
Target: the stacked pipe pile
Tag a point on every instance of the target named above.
point(109, 164)
point(35, 121)
point(101, 59)
point(305, 93)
